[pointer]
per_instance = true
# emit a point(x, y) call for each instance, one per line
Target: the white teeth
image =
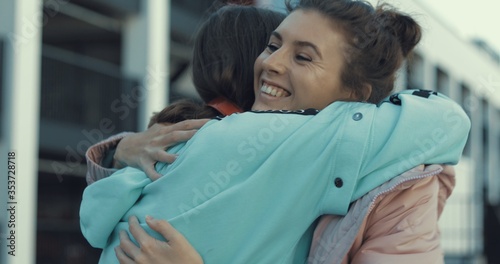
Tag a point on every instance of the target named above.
point(277, 92)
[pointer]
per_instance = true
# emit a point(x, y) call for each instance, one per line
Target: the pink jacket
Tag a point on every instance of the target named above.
point(394, 223)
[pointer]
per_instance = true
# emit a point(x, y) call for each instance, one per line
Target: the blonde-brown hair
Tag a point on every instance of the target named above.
point(379, 39)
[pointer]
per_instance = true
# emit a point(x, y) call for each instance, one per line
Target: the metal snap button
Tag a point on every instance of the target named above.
point(357, 116)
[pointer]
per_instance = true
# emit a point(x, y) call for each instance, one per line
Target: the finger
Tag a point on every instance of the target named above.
point(166, 157)
point(151, 172)
point(137, 231)
point(122, 257)
point(186, 125)
point(189, 124)
point(166, 135)
point(127, 246)
point(173, 137)
point(171, 235)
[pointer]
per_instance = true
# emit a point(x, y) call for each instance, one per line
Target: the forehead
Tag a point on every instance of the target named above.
point(303, 26)
point(309, 24)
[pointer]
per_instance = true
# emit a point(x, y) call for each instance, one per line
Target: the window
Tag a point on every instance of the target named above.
point(442, 81)
point(415, 76)
point(466, 103)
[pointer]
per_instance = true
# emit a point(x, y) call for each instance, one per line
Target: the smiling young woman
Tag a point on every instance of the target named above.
point(302, 65)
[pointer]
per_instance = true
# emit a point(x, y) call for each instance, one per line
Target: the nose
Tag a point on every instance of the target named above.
point(275, 62)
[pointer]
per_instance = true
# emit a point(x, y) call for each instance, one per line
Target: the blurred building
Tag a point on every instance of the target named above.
point(468, 72)
point(93, 67)
point(80, 67)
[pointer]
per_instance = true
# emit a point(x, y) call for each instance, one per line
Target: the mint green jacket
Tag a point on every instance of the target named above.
point(247, 187)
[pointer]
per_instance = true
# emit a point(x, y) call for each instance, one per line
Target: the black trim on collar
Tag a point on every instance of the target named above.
point(309, 111)
point(424, 93)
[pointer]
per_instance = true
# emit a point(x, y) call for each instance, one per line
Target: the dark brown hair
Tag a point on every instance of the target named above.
point(379, 40)
point(225, 48)
point(181, 110)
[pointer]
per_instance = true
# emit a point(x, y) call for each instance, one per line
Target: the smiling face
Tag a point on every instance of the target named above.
point(301, 67)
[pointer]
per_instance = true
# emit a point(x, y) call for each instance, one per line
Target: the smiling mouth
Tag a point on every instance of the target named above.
point(274, 91)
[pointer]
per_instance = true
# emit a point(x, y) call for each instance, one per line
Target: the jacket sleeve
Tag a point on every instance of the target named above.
point(401, 228)
point(411, 128)
point(105, 202)
point(95, 156)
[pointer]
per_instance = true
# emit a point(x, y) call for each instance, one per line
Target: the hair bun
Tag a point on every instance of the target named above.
point(402, 26)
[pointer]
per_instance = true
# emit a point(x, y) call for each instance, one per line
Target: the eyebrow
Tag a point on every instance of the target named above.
point(299, 43)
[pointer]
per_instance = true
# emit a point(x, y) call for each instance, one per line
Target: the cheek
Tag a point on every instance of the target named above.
point(322, 91)
point(257, 67)
point(330, 85)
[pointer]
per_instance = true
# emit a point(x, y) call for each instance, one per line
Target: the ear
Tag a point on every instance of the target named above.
point(365, 92)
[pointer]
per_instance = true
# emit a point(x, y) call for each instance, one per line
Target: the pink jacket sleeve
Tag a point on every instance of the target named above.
point(403, 227)
point(95, 155)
